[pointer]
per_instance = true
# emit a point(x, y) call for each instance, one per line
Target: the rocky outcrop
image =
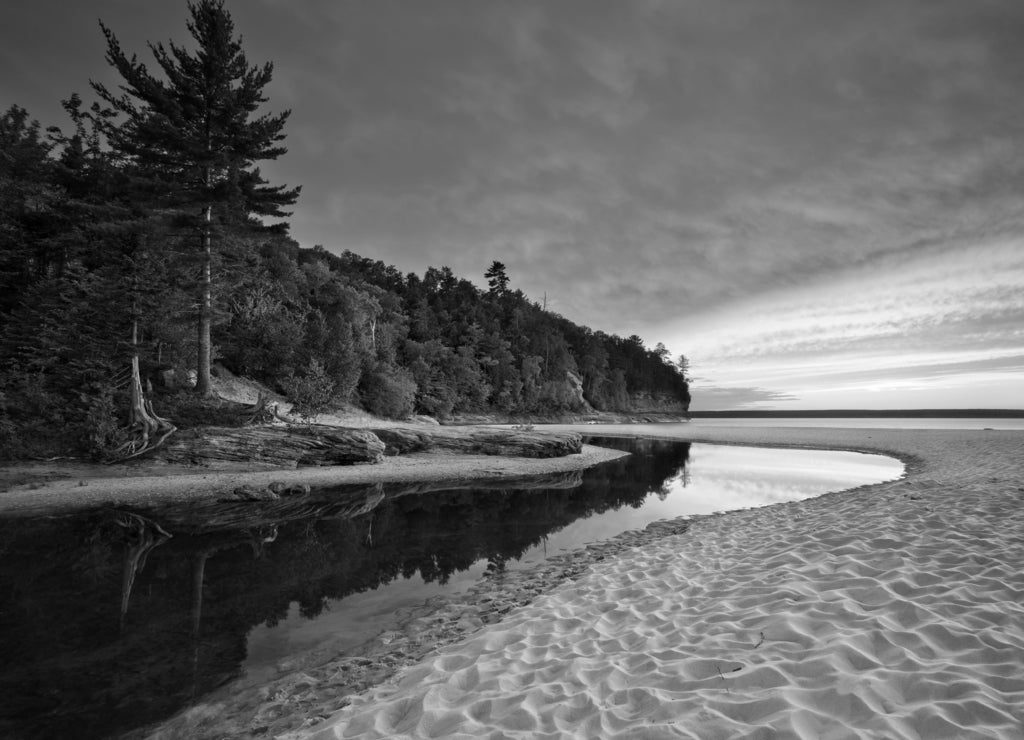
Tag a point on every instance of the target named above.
point(655, 403)
point(575, 384)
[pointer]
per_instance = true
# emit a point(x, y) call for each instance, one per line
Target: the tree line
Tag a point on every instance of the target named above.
point(143, 243)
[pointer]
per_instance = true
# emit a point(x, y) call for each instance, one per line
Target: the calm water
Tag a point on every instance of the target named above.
point(107, 625)
point(847, 422)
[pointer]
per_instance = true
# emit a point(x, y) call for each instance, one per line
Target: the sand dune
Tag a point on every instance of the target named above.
point(894, 611)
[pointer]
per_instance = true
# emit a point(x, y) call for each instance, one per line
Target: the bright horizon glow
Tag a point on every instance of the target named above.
point(941, 329)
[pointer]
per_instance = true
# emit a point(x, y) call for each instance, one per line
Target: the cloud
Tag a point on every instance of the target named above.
point(918, 320)
point(634, 162)
point(715, 398)
point(958, 293)
point(743, 181)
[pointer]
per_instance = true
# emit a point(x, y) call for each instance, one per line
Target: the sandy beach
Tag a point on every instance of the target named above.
point(889, 611)
point(894, 611)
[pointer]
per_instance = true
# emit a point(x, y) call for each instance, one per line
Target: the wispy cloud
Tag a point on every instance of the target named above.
point(745, 181)
point(914, 320)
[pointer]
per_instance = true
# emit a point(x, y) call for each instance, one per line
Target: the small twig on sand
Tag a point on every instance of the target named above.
point(760, 642)
point(723, 678)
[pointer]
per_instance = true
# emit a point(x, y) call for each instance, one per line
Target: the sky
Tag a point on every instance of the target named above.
point(820, 203)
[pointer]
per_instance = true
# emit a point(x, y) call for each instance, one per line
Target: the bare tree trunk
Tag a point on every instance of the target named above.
point(204, 345)
point(148, 431)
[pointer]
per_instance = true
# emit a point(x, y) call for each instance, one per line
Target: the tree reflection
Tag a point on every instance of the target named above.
point(80, 663)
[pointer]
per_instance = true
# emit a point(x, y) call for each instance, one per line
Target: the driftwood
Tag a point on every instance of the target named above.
point(482, 441)
point(278, 445)
point(403, 441)
point(314, 444)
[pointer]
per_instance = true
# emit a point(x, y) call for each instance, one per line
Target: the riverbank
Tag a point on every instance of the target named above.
point(47, 488)
point(893, 610)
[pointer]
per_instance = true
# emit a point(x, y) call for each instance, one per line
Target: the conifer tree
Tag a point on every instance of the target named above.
point(497, 279)
point(196, 135)
point(27, 206)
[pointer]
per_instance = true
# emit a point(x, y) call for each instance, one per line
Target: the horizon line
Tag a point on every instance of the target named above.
point(805, 413)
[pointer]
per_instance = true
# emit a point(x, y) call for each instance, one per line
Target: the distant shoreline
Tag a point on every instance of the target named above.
point(864, 414)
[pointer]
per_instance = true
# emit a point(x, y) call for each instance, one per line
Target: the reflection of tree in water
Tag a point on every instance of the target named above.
point(652, 465)
point(98, 638)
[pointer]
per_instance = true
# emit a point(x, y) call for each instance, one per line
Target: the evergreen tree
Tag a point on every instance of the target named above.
point(28, 206)
point(196, 136)
point(683, 367)
point(497, 279)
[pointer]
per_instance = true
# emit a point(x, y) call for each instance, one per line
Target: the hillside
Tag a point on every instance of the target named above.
point(125, 282)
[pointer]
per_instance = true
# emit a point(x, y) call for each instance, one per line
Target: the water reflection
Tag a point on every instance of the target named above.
point(721, 478)
point(110, 624)
point(731, 477)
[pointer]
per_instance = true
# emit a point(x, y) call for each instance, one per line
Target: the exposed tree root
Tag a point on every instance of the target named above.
point(265, 412)
point(148, 430)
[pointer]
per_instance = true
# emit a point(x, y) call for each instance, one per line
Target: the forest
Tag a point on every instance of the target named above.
point(142, 253)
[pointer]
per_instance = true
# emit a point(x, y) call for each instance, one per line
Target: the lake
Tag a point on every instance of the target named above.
point(108, 625)
point(865, 422)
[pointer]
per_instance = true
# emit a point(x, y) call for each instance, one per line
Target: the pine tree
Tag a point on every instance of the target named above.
point(195, 135)
point(497, 279)
point(27, 206)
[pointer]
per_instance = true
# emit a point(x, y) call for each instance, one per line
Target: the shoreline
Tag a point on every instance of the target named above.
point(893, 610)
point(46, 488)
point(890, 610)
point(84, 486)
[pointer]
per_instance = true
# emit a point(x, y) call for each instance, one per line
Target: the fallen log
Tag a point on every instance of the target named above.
point(482, 441)
point(403, 441)
point(289, 446)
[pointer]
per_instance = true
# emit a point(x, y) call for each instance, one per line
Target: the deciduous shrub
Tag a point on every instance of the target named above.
point(311, 393)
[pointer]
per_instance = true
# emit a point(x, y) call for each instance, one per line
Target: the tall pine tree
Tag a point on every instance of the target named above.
point(196, 135)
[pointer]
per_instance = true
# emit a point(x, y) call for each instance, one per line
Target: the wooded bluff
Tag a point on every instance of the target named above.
point(135, 260)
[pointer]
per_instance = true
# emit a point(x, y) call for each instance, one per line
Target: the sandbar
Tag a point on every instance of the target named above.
point(895, 610)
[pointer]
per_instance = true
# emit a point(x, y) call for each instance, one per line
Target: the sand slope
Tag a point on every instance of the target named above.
point(895, 611)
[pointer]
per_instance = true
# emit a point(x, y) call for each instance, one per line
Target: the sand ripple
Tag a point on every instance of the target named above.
point(893, 612)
